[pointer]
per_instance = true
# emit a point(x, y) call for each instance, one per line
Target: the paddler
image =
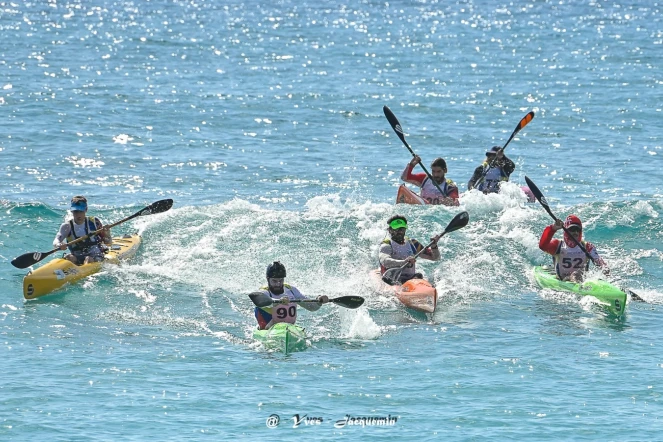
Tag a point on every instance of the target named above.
point(89, 250)
point(569, 259)
point(282, 310)
point(495, 169)
point(429, 190)
point(398, 250)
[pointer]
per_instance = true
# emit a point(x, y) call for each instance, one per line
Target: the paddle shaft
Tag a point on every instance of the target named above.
point(260, 299)
point(399, 131)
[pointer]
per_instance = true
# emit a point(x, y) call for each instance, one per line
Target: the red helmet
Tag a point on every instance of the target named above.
point(572, 220)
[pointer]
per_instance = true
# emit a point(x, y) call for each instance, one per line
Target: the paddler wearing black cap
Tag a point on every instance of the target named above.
point(283, 310)
point(89, 250)
point(495, 169)
point(399, 250)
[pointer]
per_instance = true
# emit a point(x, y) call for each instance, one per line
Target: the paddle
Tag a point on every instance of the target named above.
point(458, 222)
point(523, 122)
point(399, 131)
point(262, 300)
point(28, 259)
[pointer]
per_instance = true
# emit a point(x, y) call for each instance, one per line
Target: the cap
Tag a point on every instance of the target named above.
point(493, 150)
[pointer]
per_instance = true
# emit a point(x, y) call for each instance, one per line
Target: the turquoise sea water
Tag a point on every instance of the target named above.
point(264, 123)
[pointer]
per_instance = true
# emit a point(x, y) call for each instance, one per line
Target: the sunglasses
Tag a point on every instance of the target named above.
point(574, 229)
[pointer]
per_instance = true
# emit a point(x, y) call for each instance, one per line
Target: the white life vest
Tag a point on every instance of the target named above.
point(283, 312)
point(569, 260)
point(430, 193)
point(402, 251)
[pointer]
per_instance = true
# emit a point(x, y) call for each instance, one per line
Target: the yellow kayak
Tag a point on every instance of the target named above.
point(59, 272)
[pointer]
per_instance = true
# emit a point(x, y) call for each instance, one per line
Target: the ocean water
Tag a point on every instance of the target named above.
point(263, 121)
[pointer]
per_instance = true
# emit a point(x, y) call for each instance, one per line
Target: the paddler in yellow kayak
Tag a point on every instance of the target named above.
point(283, 310)
point(399, 250)
point(93, 248)
point(568, 257)
point(430, 191)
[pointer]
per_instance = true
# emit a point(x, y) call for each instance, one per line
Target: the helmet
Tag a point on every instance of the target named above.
point(572, 220)
point(276, 270)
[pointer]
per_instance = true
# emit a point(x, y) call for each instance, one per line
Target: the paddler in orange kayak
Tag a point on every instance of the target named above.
point(399, 250)
point(282, 310)
point(429, 189)
point(89, 250)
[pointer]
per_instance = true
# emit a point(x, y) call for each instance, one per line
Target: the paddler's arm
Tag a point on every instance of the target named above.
point(413, 178)
point(311, 305)
point(452, 199)
point(432, 253)
point(475, 176)
point(508, 166)
point(598, 261)
point(105, 235)
point(547, 243)
point(63, 233)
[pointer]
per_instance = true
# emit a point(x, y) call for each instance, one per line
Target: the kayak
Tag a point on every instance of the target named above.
point(283, 337)
point(59, 272)
point(416, 294)
point(606, 293)
point(407, 196)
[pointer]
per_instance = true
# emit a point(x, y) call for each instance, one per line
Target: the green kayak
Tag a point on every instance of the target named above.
point(282, 337)
point(608, 294)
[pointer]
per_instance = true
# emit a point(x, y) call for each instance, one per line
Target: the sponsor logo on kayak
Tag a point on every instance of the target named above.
point(30, 290)
point(274, 420)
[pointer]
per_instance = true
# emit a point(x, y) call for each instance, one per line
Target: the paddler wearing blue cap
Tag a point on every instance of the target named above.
point(495, 169)
point(89, 250)
point(398, 251)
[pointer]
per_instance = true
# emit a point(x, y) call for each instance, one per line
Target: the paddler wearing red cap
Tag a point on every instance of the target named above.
point(569, 259)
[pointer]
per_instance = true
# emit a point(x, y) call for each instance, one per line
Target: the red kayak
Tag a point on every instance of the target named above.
point(417, 294)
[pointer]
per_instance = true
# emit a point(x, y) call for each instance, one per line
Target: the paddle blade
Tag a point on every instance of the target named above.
point(524, 122)
point(348, 301)
point(158, 207)
point(27, 259)
point(634, 296)
point(394, 123)
point(260, 299)
point(391, 276)
point(458, 222)
point(537, 193)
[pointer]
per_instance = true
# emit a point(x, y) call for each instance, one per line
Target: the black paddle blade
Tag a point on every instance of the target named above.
point(27, 259)
point(634, 296)
point(260, 299)
point(158, 207)
point(537, 193)
point(391, 276)
point(348, 301)
point(458, 222)
point(394, 123)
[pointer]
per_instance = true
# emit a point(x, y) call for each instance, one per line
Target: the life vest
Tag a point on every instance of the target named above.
point(492, 176)
point(569, 260)
point(268, 316)
point(83, 246)
point(401, 251)
point(430, 192)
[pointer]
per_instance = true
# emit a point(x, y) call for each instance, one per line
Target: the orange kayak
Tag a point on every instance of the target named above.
point(416, 294)
point(406, 196)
